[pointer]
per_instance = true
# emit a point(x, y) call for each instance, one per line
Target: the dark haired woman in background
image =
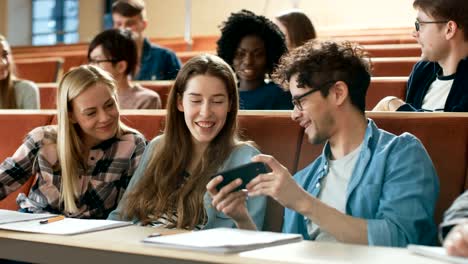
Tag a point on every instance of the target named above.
point(252, 45)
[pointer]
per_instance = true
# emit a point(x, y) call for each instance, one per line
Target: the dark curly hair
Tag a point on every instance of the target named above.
point(317, 63)
point(245, 23)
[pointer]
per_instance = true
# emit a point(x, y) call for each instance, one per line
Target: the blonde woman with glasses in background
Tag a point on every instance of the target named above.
point(83, 164)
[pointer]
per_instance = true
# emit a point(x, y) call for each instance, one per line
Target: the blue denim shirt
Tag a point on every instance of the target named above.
point(240, 155)
point(157, 63)
point(394, 186)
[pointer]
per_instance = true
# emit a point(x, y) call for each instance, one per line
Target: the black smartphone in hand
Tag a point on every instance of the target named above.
point(245, 172)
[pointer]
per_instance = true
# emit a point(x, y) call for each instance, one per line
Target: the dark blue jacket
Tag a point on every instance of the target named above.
point(268, 96)
point(423, 74)
point(157, 63)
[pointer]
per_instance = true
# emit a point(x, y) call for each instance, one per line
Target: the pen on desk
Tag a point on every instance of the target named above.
point(53, 219)
point(154, 235)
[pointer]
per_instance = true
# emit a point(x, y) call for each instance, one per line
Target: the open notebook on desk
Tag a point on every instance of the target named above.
point(7, 216)
point(223, 240)
point(16, 221)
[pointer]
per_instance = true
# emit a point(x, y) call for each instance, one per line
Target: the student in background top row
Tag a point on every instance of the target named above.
point(155, 63)
point(368, 186)
point(439, 82)
point(14, 93)
point(82, 165)
point(200, 138)
point(114, 51)
point(296, 27)
point(253, 45)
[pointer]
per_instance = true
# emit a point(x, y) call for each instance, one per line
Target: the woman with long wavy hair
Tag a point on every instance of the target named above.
point(200, 139)
point(83, 164)
point(14, 93)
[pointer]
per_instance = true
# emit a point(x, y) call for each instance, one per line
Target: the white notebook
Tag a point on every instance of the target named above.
point(223, 240)
point(436, 252)
point(8, 216)
point(24, 222)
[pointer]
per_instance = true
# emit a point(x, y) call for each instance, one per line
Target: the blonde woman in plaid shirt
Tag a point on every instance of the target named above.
point(82, 165)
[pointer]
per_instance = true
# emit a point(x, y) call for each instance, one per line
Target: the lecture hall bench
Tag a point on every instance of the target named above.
point(444, 135)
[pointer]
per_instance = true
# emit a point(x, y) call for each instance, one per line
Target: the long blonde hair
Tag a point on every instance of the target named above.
point(162, 189)
point(7, 87)
point(70, 147)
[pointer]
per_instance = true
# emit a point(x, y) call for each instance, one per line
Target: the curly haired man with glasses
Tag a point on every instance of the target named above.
point(439, 82)
point(365, 187)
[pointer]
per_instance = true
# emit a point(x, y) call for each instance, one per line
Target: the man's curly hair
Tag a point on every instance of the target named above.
point(317, 63)
point(245, 23)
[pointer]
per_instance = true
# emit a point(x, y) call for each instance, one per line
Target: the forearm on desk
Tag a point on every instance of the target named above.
point(343, 227)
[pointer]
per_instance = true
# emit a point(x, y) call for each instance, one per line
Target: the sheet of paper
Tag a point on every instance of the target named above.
point(8, 216)
point(68, 226)
point(436, 252)
point(224, 240)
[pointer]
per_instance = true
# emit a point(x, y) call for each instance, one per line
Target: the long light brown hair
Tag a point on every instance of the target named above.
point(70, 146)
point(162, 189)
point(7, 87)
point(299, 27)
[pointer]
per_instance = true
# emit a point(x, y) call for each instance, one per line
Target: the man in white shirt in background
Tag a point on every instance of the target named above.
point(439, 82)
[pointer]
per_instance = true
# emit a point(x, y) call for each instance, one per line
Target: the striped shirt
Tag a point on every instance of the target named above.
point(110, 165)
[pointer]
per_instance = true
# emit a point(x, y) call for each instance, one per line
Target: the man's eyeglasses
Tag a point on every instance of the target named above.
point(97, 61)
point(417, 24)
point(297, 100)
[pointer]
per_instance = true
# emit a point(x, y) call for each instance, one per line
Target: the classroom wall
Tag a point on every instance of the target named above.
point(18, 26)
point(166, 18)
point(91, 19)
point(3, 17)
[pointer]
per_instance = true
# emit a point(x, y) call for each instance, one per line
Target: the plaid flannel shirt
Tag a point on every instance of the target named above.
point(110, 165)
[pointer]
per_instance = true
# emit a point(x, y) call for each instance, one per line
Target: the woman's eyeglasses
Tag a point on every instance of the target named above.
point(97, 61)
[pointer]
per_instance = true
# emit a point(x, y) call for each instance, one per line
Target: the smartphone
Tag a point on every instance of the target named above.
point(245, 172)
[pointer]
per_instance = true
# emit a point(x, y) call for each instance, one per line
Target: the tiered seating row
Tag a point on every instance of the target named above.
point(379, 88)
point(444, 135)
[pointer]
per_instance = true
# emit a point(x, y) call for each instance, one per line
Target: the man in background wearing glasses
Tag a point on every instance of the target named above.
point(368, 186)
point(439, 82)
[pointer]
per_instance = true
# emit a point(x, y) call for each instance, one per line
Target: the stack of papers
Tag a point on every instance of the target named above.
point(223, 240)
point(24, 222)
point(436, 252)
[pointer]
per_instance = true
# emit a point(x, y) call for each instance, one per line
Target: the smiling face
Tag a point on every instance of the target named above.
point(4, 60)
point(250, 59)
point(316, 115)
point(96, 113)
point(205, 104)
point(431, 37)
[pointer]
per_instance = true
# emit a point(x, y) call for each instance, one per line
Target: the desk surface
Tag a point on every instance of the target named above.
point(123, 245)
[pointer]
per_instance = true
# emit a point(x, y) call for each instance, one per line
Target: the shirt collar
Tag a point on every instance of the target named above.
point(365, 144)
point(105, 144)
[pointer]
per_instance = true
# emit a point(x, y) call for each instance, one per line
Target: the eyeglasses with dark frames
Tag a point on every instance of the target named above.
point(417, 24)
point(97, 61)
point(296, 101)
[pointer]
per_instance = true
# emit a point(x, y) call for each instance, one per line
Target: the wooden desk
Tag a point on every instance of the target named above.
point(123, 245)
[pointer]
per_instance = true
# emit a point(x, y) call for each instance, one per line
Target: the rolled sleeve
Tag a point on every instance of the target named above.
point(408, 196)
